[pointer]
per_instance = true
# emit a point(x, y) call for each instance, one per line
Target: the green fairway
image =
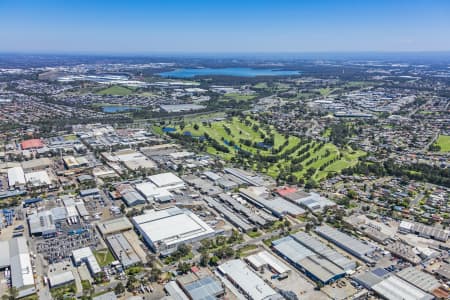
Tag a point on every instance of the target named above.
point(443, 142)
point(115, 90)
point(264, 149)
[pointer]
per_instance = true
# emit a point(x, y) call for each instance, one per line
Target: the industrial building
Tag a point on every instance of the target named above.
point(164, 230)
point(167, 180)
point(16, 257)
point(444, 271)
point(153, 193)
point(42, 224)
point(115, 225)
point(38, 178)
point(132, 198)
point(59, 279)
point(31, 144)
point(264, 259)
point(206, 288)
point(16, 177)
point(122, 250)
point(85, 255)
point(321, 249)
point(317, 267)
point(314, 202)
point(174, 291)
point(279, 207)
point(250, 284)
point(419, 279)
point(350, 244)
point(106, 296)
point(232, 217)
point(394, 288)
point(244, 177)
point(424, 231)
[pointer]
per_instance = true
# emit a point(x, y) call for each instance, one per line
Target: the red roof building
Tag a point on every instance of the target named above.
point(32, 144)
point(286, 191)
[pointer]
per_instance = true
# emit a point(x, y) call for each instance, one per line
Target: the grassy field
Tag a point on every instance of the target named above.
point(443, 142)
point(239, 97)
point(104, 257)
point(243, 140)
point(261, 85)
point(115, 90)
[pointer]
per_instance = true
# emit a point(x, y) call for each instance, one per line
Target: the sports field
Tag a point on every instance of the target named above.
point(443, 142)
point(262, 148)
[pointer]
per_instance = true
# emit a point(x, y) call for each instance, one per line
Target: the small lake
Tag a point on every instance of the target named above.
point(238, 72)
point(118, 108)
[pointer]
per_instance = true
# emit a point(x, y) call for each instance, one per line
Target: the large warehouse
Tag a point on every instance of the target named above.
point(167, 180)
point(164, 230)
point(320, 248)
point(346, 242)
point(315, 266)
point(247, 281)
point(393, 288)
point(16, 256)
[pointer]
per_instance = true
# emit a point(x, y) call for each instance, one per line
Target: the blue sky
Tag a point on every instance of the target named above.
point(224, 26)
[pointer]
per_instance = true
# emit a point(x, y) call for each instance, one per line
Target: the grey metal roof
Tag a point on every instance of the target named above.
point(175, 291)
point(293, 250)
point(419, 279)
point(133, 198)
point(394, 288)
point(59, 213)
point(106, 296)
point(317, 265)
point(206, 288)
point(320, 248)
point(41, 222)
point(123, 250)
point(345, 241)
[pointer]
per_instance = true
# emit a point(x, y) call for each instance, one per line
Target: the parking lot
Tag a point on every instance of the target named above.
point(61, 246)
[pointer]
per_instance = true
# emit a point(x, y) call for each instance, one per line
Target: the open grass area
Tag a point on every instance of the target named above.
point(104, 257)
point(261, 85)
point(264, 149)
point(239, 97)
point(254, 234)
point(116, 90)
point(443, 142)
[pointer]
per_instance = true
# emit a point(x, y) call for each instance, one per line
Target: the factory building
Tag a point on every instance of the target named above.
point(321, 249)
point(85, 255)
point(122, 250)
point(16, 257)
point(164, 230)
point(248, 283)
point(350, 244)
point(316, 267)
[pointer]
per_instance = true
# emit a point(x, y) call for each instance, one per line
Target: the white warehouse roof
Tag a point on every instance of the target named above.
point(248, 281)
point(167, 179)
point(171, 226)
point(16, 176)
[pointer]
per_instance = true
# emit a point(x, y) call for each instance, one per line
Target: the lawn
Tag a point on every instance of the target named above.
point(242, 135)
point(443, 142)
point(115, 90)
point(239, 97)
point(254, 234)
point(261, 85)
point(104, 257)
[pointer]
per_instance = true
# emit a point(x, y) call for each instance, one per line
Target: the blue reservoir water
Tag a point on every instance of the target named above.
point(238, 72)
point(118, 108)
